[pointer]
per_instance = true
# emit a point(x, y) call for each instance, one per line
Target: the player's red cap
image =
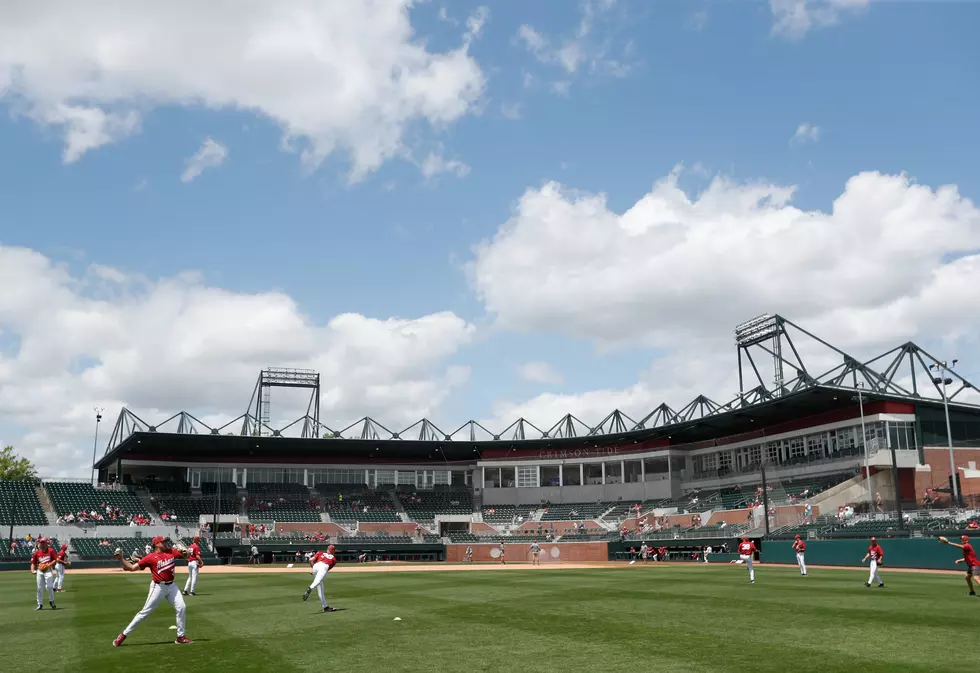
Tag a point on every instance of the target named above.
point(745, 538)
point(965, 538)
point(331, 548)
point(197, 539)
point(157, 540)
point(64, 546)
point(797, 537)
point(874, 539)
point(42, 540)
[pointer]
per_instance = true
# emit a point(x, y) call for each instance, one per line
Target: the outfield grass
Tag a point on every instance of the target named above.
point(649, 618)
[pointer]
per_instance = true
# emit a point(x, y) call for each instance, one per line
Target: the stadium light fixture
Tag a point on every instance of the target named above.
point(864, 441)
point(944, 380)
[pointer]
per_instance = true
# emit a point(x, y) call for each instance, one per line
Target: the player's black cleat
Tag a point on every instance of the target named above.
point(867, 584)
point(53, 606)
point(307, 594)
point(329, 609)
point(39, 607)
point(881, 586)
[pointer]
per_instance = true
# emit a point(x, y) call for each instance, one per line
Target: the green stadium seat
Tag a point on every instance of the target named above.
point(72, 498)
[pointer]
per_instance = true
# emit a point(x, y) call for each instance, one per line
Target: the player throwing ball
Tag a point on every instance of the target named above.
point(969, 558)
point(42, 565)
point(877, 556)
point(194, 565)
point(746, 553)
point(60, 562)
point(799, 546)
point(162, 562)
point(321, 562)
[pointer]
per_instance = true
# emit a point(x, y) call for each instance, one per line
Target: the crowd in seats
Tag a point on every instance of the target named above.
point(21, 548)
point(357, 504)
point(19, 504)
point(80, 504)
point(426, 505)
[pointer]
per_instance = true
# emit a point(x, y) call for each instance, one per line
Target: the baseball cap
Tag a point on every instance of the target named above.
point(874, 539)
point(331, 548)
point(42, 540)
point(157, 540)
point(797, 537)
point(965, 538)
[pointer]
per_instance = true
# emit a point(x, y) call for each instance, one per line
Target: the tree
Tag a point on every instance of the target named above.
point(13, 468)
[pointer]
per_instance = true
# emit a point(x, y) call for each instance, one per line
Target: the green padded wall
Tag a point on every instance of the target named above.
point(926, 553)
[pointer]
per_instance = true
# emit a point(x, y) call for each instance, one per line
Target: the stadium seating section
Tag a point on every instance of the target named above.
point(379, 538)
point(426, 505)
point(503, 514)
point(72, 498)
point(97, 548)
point(357, 504)
point(281, 502)
point(574, 511)
point(211, 487)
point(19, 504)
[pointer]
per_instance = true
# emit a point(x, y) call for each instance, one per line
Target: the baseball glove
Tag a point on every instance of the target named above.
point(45, 567)
point(180, 548)
point(943, 539)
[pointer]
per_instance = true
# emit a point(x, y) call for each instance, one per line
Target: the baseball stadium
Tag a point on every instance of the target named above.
point(712, 536)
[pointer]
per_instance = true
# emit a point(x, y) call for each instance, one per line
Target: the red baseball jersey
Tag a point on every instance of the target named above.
point(194, 552)
point(47, 556)
point(62, 557)
point(799, 546)
point(324, 557)
point(876, 552)
point(161, 565)
point(969, 556)
point(746, 548)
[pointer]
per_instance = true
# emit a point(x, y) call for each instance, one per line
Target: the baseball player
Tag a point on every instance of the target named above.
point(162, 562)
point(321, 562)
point(535, 553)
point(746, 554)
point(969, 558)
point(644, 552)
point(877, 556)
point(60, 562)
point(194, 564)
point(42, 564)
point(469, 554)
point(502, 553)
point(799, 546)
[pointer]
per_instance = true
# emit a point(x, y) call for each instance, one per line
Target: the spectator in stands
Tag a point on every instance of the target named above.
point(878, 502)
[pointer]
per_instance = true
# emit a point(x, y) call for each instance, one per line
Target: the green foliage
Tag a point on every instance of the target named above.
point(13, 468)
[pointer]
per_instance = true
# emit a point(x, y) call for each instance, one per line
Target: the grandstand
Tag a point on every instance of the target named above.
point(109, 507)
point(344, 504)
point(19, 504)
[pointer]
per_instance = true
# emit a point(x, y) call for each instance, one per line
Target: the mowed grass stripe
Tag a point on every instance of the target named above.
point(675, 618)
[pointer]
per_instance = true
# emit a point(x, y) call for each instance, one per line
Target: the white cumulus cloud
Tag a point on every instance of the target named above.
point(211, 155)
point(793, 19)
point(110, 338)
point(891, 257)
point(335, 75)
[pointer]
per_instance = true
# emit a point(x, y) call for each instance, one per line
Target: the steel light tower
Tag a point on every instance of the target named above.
point(944, 380)
point(95, 444)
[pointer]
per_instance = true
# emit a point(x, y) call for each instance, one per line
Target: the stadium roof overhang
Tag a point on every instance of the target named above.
point(815, 404)
point(785, 390)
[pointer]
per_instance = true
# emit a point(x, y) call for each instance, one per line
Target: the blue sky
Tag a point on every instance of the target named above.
point(891, 87)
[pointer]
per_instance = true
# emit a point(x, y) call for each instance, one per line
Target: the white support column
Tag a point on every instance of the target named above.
point(561, 475)
point(643, 471)
point(603, 473)
point(622, 472)
point(581, 474)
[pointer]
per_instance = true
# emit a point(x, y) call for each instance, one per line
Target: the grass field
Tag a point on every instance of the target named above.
point(649, 618)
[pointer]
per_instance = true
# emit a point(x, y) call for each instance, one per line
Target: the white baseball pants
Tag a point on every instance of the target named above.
point(59, 578)
point(161, 592)
point(45, 581)
point(801, 562)
point(191, 584)
point(747, 559)
point(873, 577)
point(320, 571)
